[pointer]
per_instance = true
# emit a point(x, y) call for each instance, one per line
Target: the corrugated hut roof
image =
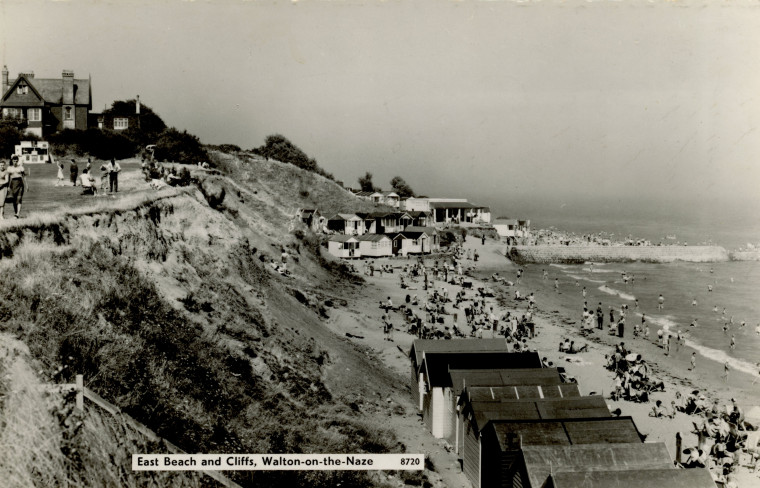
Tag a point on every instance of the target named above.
point(534, 375)
point(612, 430)
point(373, 237)
point(453, 205)
point(437, 365)
point(501, 393)
point(640, 478)
point(419, 346)
point(342, 238)
point(542, 461)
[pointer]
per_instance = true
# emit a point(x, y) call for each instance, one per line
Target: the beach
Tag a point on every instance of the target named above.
point(557, 317)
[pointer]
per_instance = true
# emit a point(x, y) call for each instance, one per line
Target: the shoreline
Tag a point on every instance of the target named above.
point(555, 320)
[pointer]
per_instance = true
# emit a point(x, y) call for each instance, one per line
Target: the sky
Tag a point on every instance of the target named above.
point(507, 103)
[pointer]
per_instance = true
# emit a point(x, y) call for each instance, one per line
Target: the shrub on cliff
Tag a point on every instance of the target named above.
point(181, 147)
point(280, 148)
point(11, 133)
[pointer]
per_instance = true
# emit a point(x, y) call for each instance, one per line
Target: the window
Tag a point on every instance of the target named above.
point(67, 113)
point(34, 114)
point(120, 123)
point(22, 89)
point(374, 245)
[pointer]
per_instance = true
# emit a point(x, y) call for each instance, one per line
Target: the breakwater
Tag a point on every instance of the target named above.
point(616, 254)
point(744, 255)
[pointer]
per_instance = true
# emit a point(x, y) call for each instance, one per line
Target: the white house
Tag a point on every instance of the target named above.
point(375, 245)
point(511, 228)
point(344, 246)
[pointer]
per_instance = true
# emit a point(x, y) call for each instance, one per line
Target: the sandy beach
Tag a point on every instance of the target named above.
point(557, 317)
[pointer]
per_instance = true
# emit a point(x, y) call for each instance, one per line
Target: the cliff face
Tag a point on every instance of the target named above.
point(172, 310)
point(609, 254)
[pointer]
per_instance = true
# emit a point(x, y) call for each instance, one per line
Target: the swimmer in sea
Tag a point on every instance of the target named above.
point(584, 292)
point(693, 323)
point(636, 304)
point(743, 324)
point(660, 302)
point(694, 302)
point(715, 309)
point(733, 342)
point(709, 287)
point(725, 328)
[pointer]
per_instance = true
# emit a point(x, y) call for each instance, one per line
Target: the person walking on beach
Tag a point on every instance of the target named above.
point(725, 371)
point(693, 362)
point(584, 292)
point(483, 240)
point(660, 302)
point(545, 274)
point(599, 317)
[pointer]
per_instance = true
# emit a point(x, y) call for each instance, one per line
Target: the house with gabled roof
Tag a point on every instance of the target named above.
point(46, 104)
point(310, 217)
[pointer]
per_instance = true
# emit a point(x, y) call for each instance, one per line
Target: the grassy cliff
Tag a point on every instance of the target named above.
point(170, 309)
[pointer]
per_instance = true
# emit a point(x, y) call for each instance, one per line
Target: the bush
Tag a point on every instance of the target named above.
point(181, 147)
point(11, 133)
point(102, 144)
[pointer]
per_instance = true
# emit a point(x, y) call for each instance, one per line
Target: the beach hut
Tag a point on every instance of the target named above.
point(497, 458)
point(638, 478)
point(537, 464)
point(375, 245)
point(310, 217)
point(344, 246)
point(436, 392)
point(414, 243)
point(349, 224)
point(434, 241)
point(516, 390)
point(421, 346)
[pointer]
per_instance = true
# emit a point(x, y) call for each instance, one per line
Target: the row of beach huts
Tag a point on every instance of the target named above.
point(513, 422)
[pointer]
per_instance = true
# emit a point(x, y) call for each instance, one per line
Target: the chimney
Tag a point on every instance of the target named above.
point(28, 74)
point(5, 80)
point(68, 87)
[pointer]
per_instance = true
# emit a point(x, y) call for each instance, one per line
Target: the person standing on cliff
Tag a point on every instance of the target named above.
point(113, 175)
point(74, 172)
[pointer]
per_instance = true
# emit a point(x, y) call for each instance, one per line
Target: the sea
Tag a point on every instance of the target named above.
point(735, 285)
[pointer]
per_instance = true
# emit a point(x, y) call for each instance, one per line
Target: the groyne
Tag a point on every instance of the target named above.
point(744, 255)
point(616, 254)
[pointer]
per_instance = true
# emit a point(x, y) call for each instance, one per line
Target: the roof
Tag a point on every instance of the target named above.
point(607, 430)
point(364, 193)
point(504, 222)
point(500, 377)
point(51, 90)
point(419, 228)
point(502, 393)
point(342, 238)
point(539, 409)
point(373, 237)
point(420, 346)
point(638, 478)
point(453, 205)
point(542, 461)
point(416, 213)
point(307, 211)
point(437, 365)
point(413, 235)
point(345, 217)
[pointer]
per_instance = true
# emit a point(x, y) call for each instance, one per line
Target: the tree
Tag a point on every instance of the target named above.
point(401, 187)
point(181, 147)
point(365, 182)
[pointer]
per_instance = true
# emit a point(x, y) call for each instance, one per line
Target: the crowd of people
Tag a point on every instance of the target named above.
point(109, 176)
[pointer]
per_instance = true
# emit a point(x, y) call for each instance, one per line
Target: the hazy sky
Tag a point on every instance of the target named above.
point(496, 101)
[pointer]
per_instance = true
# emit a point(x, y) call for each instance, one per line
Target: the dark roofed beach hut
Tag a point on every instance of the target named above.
point(437, 390)
point(420, 346)
point(500, 457)
point(539, 463)
point(508, 384)
point(640, 478)
point(497, 394)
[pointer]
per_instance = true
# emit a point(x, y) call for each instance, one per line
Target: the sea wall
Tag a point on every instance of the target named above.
point(745, 255)
point(612, 254)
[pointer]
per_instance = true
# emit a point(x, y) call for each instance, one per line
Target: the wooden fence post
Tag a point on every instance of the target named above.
point(80, 393)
